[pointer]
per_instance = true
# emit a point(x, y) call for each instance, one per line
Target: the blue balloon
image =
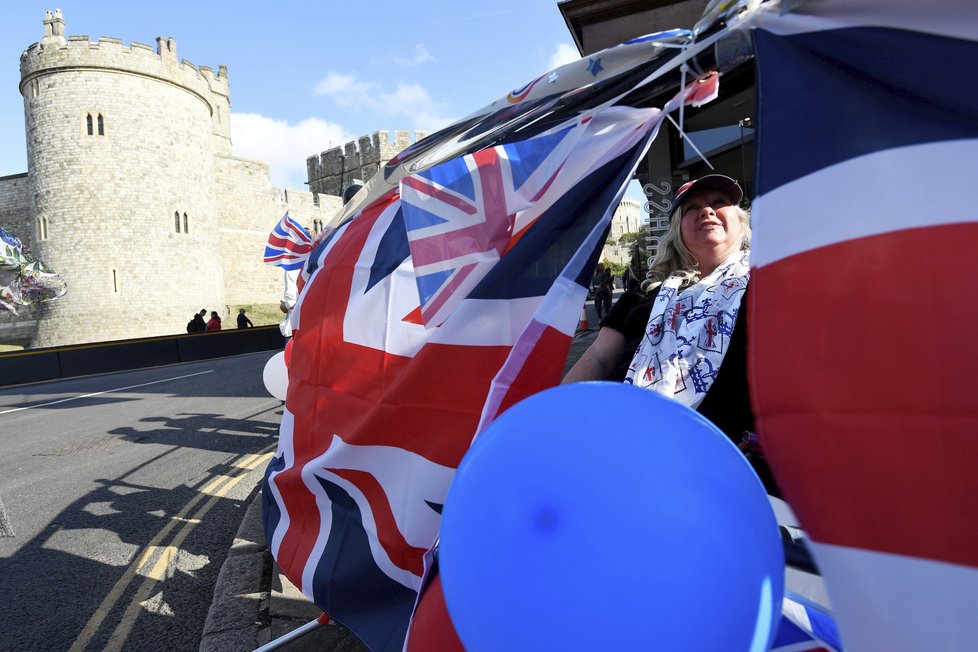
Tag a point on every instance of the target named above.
point(599, 516)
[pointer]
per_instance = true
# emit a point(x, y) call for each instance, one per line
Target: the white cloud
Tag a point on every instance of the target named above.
point(421, 55)
point(411, 102)
point(562, 53)
point(284, 146)
point(345, 90)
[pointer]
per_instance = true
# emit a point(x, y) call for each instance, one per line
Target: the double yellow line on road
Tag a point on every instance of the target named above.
point(154, 560)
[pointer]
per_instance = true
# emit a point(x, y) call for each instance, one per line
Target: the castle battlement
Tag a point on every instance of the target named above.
point(58, 51)
point(359, 158)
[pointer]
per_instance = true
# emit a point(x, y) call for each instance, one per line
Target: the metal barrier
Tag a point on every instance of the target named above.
point(36, 365)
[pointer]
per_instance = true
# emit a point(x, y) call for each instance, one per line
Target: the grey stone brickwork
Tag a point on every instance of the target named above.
point(15, 212)
point(15, 216)
point(627, 218)
point(243, 185)
point(334, 169)
point(148, 216)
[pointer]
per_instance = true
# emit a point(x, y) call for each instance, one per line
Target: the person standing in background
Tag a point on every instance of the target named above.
point(243, 321)
point(197, 325)
point(215, 322)
point(603, 285)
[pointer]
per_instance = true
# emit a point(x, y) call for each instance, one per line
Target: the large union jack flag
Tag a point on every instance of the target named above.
point(288, 244)
point(394, 372)
point(862, 378)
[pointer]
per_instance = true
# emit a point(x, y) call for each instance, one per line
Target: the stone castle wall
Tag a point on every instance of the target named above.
point(249, 207)
point(627, 218)
point(15, 217)
point(148, 216)
point(15, 210)
point(333, 170)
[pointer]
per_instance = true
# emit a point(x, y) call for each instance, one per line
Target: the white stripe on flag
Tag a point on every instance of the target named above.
point(287, 452)
point(886, 191)
point(956, 18)
point(807, 585)
point(897, 603)
point(796, 613)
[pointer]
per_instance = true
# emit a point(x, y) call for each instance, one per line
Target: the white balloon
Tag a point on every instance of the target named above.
point(276, 376)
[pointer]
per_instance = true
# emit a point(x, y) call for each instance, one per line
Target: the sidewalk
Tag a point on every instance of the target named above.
point(254, 603)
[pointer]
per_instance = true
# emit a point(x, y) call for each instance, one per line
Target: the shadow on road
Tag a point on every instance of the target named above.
point(54, 583)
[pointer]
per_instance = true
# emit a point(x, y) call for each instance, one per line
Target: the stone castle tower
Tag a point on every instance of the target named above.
point(132, 193)
point(627, 218)
point(131, 135)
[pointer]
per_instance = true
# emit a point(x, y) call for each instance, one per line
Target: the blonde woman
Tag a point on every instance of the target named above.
point(692, 322)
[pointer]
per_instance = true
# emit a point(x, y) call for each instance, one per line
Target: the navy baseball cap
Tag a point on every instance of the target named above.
point(719, 182)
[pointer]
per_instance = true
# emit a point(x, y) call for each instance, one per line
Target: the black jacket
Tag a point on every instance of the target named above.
point(727, 403)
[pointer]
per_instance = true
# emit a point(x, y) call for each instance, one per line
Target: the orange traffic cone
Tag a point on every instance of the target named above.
point(583, 325)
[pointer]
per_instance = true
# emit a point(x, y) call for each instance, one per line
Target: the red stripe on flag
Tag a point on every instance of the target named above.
point(413, 317)
point(538, 371)
point(403, 554)
point(285, 243)
point(431, 626)
point(287, 256)
point(863, 360)
point(426, 188)
point(298, 230)
point(446, 291)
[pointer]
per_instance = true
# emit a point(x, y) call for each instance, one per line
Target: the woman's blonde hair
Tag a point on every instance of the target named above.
point(672, 256)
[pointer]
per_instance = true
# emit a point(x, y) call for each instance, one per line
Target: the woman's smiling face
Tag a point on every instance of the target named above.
point(710, 227)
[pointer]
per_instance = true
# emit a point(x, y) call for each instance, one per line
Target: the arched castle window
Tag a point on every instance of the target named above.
point(42, 228)
point(176, 221)
point(317, 226)
point(35, 88)
point(185, 229)
point(95, 122)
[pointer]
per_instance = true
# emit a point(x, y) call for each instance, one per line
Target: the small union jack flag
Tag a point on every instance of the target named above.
point(461, 216)
point(288, 245)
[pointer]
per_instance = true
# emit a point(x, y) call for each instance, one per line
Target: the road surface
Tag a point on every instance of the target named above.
point(122, 494)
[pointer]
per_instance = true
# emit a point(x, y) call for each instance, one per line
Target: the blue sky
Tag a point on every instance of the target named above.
point(306, 75)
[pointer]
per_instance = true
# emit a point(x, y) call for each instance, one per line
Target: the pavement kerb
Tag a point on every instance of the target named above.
point(238, 615)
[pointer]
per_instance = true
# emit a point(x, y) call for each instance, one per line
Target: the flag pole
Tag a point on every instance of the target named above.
point(312, 625)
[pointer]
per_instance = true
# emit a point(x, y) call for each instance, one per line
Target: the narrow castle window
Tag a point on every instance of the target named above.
point(101, 125)
point(185, 230)
point(42, 228)
point(176, 221)
point(317, 226)
point(35, 88)
point(88, 122)
point(115, 281)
